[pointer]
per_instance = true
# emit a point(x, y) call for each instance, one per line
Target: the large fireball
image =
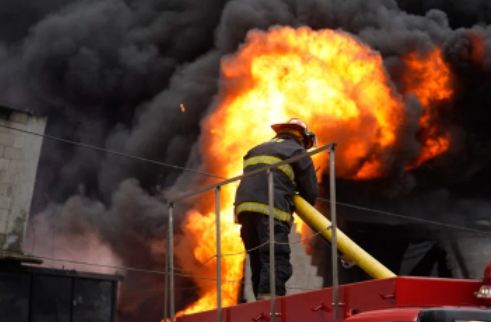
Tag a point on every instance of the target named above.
point(334, 82)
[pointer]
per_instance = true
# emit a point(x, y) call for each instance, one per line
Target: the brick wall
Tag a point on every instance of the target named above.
point(19, 156)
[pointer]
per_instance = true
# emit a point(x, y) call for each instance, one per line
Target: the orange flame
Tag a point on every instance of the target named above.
point(334, 82)
point(331, 80)
point(429, 79)
point(202, 228)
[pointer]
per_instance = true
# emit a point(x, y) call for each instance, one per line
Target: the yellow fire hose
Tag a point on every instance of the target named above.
point(349, 248)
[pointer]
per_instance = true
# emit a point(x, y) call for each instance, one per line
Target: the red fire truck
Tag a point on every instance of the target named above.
point(397, 299)
point(387, 298)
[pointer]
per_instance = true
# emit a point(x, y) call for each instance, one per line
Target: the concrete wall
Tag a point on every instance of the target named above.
point(19, 156)
point(467, 254)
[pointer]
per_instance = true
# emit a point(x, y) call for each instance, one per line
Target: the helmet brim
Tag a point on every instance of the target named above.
point(287, 126)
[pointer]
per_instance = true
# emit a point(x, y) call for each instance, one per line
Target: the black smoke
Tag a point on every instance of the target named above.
point(113, 73)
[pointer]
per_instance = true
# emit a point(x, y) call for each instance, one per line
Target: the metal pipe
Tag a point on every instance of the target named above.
point(334, 246)
point(170, 241)
point(272, 268)
point(219, 254)
point(318, 222)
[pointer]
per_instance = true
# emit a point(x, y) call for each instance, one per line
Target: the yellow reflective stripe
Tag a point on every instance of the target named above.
point(268, 159)
point(263, 209)
point(278, 140)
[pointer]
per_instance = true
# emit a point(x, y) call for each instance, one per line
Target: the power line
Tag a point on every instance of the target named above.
point(77, 262)
point(177, 271)
point(357, 207)
point(164, 164)
point(117, 153)
point(244, 252)
point(116, 267)
point(420, 220)
point(169, 165)
point(182, 273)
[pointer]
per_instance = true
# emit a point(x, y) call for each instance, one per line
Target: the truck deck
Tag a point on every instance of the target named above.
point(402, 292)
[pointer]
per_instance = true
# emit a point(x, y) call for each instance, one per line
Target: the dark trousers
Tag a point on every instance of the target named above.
point(255, 232)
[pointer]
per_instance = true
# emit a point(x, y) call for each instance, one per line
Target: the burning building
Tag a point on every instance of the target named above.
point(29, 293)
point(181, 89)
point(19, 160)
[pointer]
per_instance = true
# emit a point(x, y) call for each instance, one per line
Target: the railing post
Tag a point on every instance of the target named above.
point(272, 268)
point(219, 254)
point(169, 294)
point(334, 246)
point(166, 285)
point(170, 241)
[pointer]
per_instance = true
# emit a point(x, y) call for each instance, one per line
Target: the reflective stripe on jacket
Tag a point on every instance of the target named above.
point(263, 209)
point(268, 159)
point(297, 177)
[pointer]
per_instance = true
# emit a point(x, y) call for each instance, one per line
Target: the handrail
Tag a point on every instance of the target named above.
point(251, 173)
point(170, 308)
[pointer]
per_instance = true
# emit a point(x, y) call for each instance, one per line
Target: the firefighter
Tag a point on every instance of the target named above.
point(252, 208)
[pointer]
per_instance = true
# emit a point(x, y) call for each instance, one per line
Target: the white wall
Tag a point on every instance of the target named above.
point(19, 156)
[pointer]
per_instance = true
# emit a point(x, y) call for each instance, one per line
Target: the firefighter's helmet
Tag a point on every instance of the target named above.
point(297, 125)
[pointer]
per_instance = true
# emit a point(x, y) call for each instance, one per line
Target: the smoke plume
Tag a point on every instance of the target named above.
point(114, 73)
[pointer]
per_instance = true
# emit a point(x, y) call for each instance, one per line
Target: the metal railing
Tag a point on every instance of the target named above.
point(169, 296)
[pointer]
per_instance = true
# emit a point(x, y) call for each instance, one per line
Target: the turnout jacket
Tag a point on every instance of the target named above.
point(289, 179)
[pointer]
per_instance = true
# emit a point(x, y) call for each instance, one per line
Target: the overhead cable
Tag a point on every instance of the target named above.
point(113, 152)
point(420, 220)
